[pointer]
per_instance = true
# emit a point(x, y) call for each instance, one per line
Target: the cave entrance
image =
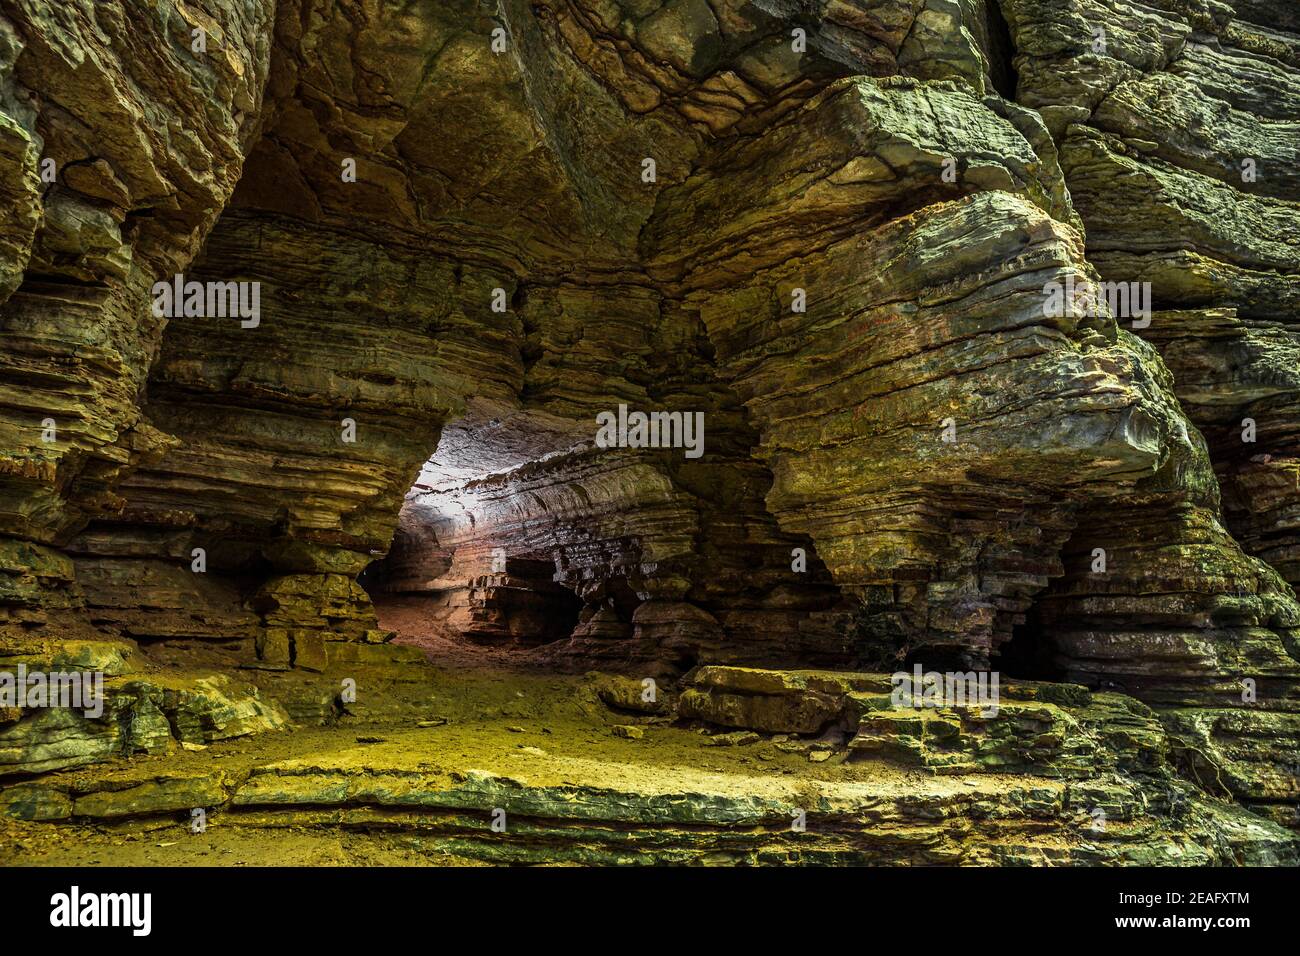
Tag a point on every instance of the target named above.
point(1030, 654)
point(468, 562)
point(522, 603)
point(425, 593)
point(476, 592)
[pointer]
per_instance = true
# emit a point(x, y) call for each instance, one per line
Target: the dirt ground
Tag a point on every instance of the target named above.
point(488, 708)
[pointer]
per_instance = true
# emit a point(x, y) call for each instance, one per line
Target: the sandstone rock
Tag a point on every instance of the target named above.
point(771, 702)
point(140, 714)
point(629, 693)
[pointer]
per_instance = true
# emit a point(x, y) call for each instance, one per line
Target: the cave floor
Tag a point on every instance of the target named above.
point(550, 732)
point(480, 757)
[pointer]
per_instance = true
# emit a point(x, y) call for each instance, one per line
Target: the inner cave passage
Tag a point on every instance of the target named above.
point(463, 565)
point(518, 533)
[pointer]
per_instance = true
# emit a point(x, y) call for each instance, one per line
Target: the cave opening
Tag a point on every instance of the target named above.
point(516, 600)
point(1029, 655)
point(465, 566)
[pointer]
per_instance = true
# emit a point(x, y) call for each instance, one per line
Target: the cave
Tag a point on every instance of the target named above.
point(397, 524)
point(503, 539)
point(454, 575)
point(1029, 655)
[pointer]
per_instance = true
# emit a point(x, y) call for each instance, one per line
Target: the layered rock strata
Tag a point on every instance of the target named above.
point(1177, 127)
